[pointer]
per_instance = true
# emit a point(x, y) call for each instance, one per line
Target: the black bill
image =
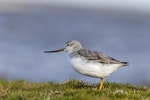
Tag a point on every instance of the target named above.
point(59, 50)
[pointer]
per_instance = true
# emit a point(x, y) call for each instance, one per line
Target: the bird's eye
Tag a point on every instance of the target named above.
point(67, 44)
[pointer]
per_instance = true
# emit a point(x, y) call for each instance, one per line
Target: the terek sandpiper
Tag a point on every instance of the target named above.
point(89, 62)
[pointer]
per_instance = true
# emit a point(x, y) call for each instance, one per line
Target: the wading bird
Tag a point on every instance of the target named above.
point(89, 62)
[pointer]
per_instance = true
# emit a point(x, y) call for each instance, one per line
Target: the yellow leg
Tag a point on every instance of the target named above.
point(101, 83)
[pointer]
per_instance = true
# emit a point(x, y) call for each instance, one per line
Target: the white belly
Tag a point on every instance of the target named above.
point(93, 69)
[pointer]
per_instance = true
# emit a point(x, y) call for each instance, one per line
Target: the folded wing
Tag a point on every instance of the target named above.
point(99, 57)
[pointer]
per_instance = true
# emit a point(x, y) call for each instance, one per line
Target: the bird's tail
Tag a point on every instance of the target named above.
point(125, 63)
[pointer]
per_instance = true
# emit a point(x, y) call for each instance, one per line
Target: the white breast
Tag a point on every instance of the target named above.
point(93, 69)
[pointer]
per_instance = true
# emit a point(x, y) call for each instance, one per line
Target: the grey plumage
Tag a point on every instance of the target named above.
point(96, 56)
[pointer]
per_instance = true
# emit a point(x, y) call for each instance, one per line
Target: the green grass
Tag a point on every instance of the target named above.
point(71, 90)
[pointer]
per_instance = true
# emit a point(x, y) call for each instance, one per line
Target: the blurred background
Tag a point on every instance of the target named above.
point(120, 29)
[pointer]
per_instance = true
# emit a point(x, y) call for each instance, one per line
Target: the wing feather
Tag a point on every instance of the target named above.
point(98, 56)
